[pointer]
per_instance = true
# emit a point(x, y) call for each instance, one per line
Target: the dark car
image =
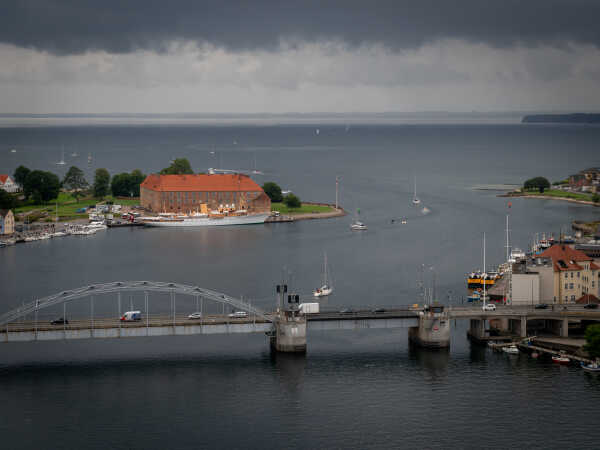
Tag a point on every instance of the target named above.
point(379, 310)
point(541, 306)
point(591, 305)
point(60, 321)
point(346, 311)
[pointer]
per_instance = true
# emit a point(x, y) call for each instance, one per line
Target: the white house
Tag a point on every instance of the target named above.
point(8, 184)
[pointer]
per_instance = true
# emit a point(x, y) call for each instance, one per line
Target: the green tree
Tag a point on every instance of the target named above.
point(179, 166)
point(291, 201)
point(41, 186)
point(20, 175)
point(75, 182)
point(7, 200)
point(596, 198)
point(537, 183)
point(127, 185)
point(273, 191)
point(592, 341)
point(101, 183)
point(136, 178)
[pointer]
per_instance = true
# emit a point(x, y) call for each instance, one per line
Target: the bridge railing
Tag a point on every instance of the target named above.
point(128, 286)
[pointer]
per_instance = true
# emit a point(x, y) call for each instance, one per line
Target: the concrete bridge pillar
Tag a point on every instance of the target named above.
point(564, 328)
point(523, 327)
point(290, 335)
point(433, 330)
point(477, 328)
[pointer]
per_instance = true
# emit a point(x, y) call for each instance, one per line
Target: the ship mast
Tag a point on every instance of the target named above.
point(484, 273)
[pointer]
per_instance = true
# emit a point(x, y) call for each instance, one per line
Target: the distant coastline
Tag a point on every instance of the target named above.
point(562, 118)
point(548, 197)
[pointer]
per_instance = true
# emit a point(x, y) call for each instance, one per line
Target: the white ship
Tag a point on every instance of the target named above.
point(204, 220)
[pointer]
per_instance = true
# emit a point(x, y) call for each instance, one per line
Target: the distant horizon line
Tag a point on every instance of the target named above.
point(293, 114)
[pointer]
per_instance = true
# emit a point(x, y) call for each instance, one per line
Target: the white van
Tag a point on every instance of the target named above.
point(131, 316)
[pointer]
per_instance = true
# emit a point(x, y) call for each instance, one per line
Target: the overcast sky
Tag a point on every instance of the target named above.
point(298, 56)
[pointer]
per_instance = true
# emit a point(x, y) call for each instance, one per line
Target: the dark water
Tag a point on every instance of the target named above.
point(363, 389)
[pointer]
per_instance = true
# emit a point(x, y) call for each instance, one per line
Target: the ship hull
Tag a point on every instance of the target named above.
point(208, 222)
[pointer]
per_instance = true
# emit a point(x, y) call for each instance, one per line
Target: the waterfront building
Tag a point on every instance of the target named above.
point(587, 180)
point(532, 281)
point(7, 221)
point(8, 184)
point(202, 193)
point(575, 273)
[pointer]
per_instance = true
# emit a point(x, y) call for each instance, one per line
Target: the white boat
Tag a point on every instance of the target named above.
point(62, 159)
point(45, 236)
point(59, 234)
point(205, 220)
point(591, 367)
point(357, 225)
point(14, 150)
point(511, 349)
point(74, 154)
point(31, 238)
point(97, 225)
point(416, 200)
point(326, 288)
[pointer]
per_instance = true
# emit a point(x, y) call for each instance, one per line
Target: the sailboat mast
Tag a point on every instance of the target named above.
point(484, 273)
point(507, 241)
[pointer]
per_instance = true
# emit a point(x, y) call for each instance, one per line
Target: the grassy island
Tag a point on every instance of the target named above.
point(67, 207)
point(305, 208)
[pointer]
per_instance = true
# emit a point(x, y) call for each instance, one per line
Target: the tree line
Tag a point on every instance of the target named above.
point(41, 186)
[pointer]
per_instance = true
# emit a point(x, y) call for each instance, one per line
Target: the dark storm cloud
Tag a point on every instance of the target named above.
point(123, 26)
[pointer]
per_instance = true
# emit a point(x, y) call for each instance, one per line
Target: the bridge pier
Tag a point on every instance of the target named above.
point(433, 330)
point(290, 336)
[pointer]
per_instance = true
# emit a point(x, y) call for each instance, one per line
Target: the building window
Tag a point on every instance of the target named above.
point(566, 298)
point(566, 285)
point(571, 274)
point(571, 286)
point(578, 273)
point(572, 298)
point(566, 275)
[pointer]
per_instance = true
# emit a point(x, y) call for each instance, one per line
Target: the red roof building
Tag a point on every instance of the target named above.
point(201, 192)
point(575, 273)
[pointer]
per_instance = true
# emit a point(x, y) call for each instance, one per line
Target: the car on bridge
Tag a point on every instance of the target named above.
point(379, 310)
point(60, 321)
point(541, 306)
point(489, 307)
point(195, 315)
point(238, 315)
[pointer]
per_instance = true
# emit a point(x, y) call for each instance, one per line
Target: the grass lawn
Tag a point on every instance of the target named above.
point(563, 194)
point(67, 206)
point(304, 209)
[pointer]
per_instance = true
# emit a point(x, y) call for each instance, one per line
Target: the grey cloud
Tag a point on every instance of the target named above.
point(117, 26)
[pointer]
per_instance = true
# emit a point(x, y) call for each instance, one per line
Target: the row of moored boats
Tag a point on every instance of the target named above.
point(558, 358)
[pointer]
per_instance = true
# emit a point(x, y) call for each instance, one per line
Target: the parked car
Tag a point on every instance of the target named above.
point(238, 314)
point(591, 305)
point(60, 321)
point(195, 315)
point(131, 316)
point(379, 310)
point(541, 306)
point(346, 311)
point(489, 307)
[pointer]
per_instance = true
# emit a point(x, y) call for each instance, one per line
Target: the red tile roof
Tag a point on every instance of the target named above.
point(565, 257)
point(200, 183)
point(594, 266)
point(3, 178)
point(587, 298)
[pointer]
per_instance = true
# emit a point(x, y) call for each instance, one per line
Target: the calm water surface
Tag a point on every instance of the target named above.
point(351, 390)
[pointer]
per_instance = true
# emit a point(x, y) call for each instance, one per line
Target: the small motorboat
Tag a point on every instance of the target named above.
point(592, 367)
point(511, 350)
point(358, 226)
point(560, 359)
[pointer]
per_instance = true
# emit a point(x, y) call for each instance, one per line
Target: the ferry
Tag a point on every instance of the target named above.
point(221, 217)
point(479, 279)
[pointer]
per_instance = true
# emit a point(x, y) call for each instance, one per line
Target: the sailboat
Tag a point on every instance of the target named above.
point(416, 200)
point(62, 159)
point(326, 288)
point(357, 225)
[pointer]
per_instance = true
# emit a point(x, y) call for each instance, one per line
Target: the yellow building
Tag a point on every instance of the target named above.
point(7, 221)
point(575, 273)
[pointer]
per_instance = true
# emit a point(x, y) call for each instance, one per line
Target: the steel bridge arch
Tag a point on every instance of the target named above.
point(128, 286)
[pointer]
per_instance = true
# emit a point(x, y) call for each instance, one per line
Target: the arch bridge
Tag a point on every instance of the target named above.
point(15, 326)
